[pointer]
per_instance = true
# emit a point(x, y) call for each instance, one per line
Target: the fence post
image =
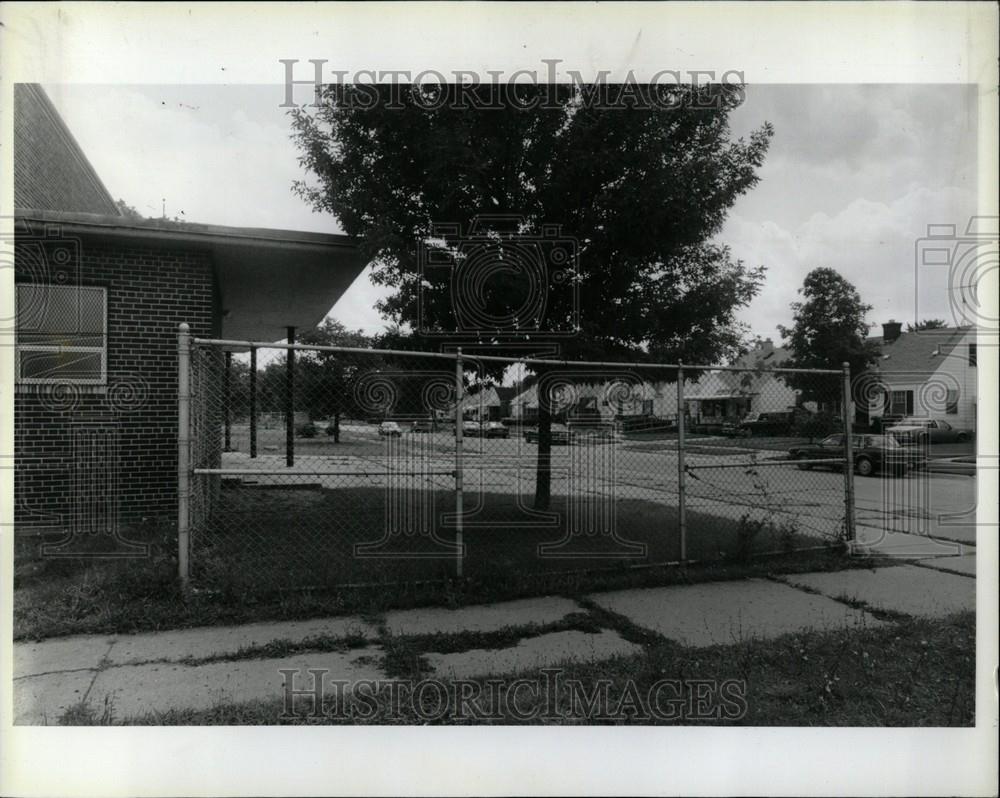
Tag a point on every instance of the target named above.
point(227, 402)
point(459, 475)
point(183, 453)
point(681, 476)
point(848, 412)
point(290, 402)
point(253, 401)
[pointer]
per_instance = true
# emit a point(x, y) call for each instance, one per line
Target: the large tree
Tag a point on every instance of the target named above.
point(636, 194)
point(828, 329)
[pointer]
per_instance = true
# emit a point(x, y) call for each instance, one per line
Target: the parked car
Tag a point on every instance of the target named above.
point(871, 453)
point(472, 429)
point(495, 429)
point(923, 430)
point(645, 424)
point(390, 429)
point(772, 423)
point(423, 425)
point(559, 435)
point(880, 424)
point(307, 430)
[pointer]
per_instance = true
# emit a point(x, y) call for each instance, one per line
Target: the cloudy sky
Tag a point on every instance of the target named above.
point(854, 175)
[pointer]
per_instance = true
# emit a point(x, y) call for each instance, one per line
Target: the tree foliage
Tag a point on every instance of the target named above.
point(641, 192)
point(926, 324)
point(636, 194)
point(828, 328)
point(326, 380)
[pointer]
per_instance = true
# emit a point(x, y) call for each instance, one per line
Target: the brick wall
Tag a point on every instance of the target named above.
point(150, 292)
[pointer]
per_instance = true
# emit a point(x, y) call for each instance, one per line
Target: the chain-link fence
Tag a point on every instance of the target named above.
point(326, 466)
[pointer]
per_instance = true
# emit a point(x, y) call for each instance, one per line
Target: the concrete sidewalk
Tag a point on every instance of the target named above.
point(199, 668)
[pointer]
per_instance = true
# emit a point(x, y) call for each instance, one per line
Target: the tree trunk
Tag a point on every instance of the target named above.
point(336, 426)
point(543, 475)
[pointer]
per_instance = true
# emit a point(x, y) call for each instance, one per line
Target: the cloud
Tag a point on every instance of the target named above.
point(217, 155)
point(872, 244)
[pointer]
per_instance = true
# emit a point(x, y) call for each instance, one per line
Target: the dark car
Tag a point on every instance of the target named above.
point(495, 429)
point(423, 425)
point(559, 435)
point(871, 453)
point(780, 422)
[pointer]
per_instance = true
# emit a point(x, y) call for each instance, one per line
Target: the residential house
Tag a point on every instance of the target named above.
point(928, 373)
point(711, 397)
point(99, 300)
point(719, 397)
point(488, 403)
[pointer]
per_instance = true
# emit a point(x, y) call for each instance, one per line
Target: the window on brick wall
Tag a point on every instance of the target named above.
point(61, 334)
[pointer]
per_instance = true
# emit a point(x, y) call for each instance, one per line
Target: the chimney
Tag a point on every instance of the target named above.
point(891, 330)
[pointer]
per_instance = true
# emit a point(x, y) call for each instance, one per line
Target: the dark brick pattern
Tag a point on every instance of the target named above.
point(150, 292)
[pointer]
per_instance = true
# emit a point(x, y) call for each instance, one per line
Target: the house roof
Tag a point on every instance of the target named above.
point(268, 279)
point(50, 170)
point(920, 352)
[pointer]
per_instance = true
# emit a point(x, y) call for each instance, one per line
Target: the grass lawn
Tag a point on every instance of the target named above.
point(279, 541)
point(280, 537)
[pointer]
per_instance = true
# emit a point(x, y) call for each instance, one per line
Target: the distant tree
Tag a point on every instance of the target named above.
point(326, 380)
point(128, 211)
point(828, 329)
point(926, 324)
point(641, 192)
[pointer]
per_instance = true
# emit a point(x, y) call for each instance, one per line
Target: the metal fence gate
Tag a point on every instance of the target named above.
point(327, 466)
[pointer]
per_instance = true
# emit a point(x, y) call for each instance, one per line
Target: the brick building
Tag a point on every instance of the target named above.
point(99, 299)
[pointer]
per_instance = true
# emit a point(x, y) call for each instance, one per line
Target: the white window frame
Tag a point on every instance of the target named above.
point(20, 348)
point(907, 395)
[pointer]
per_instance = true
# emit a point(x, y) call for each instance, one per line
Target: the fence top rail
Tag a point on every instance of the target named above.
point(528, 361)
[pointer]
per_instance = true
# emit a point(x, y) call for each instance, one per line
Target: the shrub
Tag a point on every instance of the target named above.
point(307, 430)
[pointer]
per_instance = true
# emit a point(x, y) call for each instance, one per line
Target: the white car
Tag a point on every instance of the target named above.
point(471, 429)
point(933, 430)
point(390, 429)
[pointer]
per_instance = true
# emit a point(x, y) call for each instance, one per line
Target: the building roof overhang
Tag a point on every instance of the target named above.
point(268, 280)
